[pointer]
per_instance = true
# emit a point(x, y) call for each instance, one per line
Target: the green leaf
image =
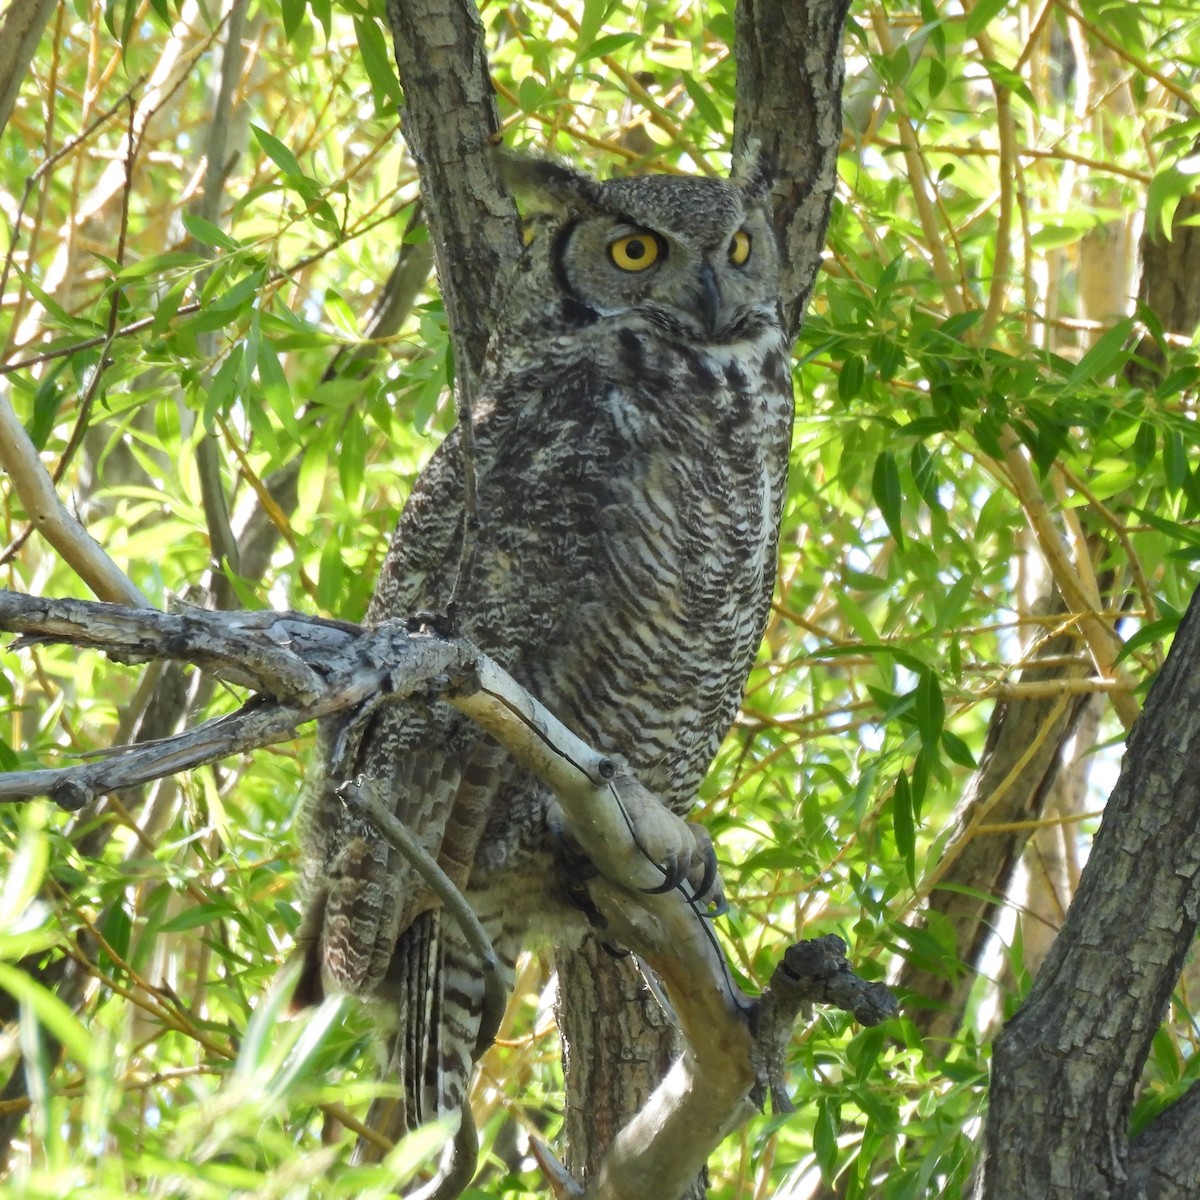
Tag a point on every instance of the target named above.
point(709, 112)
point(856, 617)
point(592, 18)
point(825, 1137)
point(1175, 462)
point(50, 1012)
point(1168, 187)
point(293, 14)
point(47, 400)
point(885, 488)
point(530, 92)
point(161, 264)
point(276, 151)
point(956, 325)
point(981, 15)
point(276, 390)
point(924, 473)
point(1152, 634)
point(1172, 529)
point(385, 85)
point(851, 377)
point(352, 460)
point(192, 918)
point(116, 929)
point(957, 750)
point(904, 827)
point(1006, 77)
point(864, 1050)
point(607, 44)
point(207, 234)
point(331, 573)
point(929, 708)
point(1109, 347)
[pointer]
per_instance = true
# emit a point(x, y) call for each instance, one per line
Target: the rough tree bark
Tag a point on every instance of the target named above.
point(1065, 1068)
point(790, 71)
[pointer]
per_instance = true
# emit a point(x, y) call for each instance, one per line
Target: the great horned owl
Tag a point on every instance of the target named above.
point(631, 435)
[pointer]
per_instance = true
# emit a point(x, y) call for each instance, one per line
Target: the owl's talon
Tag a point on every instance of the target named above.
point(709, 877)
point(675, 870)
point(615, 951)
point(578, 898)
point(577, 866)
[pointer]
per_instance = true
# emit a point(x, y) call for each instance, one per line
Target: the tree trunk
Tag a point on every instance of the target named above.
point(617, 1044)
point(1065, 1068)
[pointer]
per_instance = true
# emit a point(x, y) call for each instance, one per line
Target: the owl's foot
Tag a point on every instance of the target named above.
point(698, 869)
point(574, 867)
point(691, 867)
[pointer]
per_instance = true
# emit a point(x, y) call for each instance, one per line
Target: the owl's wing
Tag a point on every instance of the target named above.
point(371, 926)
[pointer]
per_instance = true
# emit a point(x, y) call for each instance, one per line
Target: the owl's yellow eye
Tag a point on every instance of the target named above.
point(739, 248)
point(636, 252)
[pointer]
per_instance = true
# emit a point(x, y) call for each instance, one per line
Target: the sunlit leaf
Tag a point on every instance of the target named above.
point(885, 488)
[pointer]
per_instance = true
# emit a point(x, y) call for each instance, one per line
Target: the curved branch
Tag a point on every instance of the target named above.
point(734, 1046)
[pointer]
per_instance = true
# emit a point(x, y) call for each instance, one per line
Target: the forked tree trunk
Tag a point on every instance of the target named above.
point(617, 1040)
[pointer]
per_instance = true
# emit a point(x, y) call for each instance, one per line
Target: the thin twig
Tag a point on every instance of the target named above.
point(34, 179)
point(1121, 50)
point(361, 795)
point(1102, 639)
point(88, 399)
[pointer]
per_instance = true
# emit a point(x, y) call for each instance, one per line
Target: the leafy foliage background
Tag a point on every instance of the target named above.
point(167, 347)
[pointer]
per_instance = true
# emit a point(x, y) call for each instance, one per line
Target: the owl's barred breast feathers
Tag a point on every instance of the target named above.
point(631, 434)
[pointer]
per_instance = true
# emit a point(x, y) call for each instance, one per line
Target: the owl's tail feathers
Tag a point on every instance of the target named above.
point(430, 1009)
point(460, 1156)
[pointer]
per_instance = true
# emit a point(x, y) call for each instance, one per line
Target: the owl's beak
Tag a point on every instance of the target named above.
point(708, 300)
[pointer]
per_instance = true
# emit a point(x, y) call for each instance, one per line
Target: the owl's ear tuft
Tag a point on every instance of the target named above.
point(542, 185)
point(754, 172)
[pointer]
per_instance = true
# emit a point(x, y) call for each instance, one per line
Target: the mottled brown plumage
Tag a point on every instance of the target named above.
point(631, 438)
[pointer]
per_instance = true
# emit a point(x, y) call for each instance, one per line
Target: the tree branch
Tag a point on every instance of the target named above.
point(1065, 1067)
point(789, 100)
point(47, 513)
point(20, 30)
point(450, 123)
point(1163, 1163)
point(305, 668)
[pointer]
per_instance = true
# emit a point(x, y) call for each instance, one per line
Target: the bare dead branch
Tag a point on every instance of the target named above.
point(304, 668)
